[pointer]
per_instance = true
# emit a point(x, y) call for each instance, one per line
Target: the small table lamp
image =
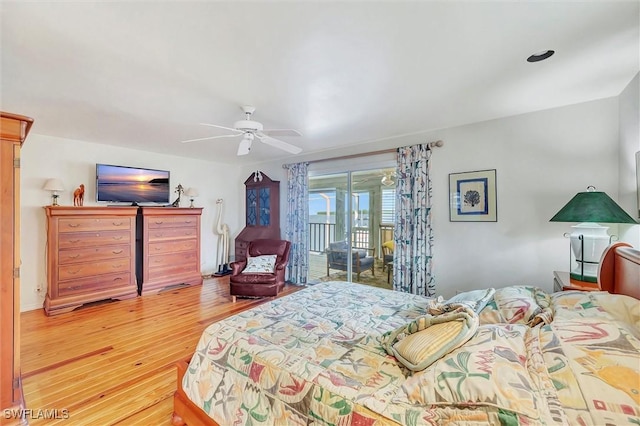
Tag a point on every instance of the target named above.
point(588, 238)
point(53, 185)
point(191, 193)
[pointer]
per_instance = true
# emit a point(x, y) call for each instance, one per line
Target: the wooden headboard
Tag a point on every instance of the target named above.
point(619, 270)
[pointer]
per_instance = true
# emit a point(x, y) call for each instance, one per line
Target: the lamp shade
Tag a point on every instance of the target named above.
point(592, 206)
point(53, 185)
point(191, 192)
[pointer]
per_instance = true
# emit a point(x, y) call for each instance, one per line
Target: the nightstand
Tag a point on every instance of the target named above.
point(560, 279)
point(562, 282)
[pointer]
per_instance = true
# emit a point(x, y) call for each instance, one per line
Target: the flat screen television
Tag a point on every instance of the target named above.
point(135, 185)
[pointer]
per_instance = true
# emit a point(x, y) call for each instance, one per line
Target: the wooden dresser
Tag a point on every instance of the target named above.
point(170, 248)
point(262, 213)
point(90, 256)
point(13, 131)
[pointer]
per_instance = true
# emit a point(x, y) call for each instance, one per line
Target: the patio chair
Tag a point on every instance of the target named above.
point(361, 259)
point(387, 254)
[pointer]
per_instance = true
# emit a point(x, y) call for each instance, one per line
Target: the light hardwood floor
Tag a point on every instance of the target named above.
point(113, 363)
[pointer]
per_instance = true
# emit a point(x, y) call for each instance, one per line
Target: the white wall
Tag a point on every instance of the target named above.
point(542, 160)
point(74, 163)
point(629, 104)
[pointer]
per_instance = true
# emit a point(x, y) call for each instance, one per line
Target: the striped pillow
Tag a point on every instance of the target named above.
point(428, 338)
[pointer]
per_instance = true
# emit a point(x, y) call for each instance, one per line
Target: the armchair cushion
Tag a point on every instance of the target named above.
point(264, 264)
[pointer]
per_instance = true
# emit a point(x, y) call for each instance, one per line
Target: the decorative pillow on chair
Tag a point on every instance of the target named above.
point(261, 264)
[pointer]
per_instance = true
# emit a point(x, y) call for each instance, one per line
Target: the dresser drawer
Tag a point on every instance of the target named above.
point(168, 269)
point(93, 284)
point(90, 254)
point(93, 224)
point(162, 234)
point(164, 260)
point(172, 246)
point(80, 270)
point(172, 221)
point(90, 239)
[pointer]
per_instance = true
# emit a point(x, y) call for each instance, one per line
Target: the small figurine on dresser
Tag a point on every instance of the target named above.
point(179, 190)
point(78, 196)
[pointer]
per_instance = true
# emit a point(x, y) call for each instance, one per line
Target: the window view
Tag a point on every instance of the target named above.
point(351, 228)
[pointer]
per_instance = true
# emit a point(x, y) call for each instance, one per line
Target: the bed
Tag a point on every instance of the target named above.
point(316, 357)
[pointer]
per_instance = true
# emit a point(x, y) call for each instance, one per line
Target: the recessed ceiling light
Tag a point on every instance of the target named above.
point(540, 56)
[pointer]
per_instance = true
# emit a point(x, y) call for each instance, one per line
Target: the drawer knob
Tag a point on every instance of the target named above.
point(116, 251)
point(74, 241)
point(74, 256)
point(159, 234)
point(73, 225)
point(159, 222)
point(119, 237)
point(75, 272)
point(116, 223)
point(117, 279)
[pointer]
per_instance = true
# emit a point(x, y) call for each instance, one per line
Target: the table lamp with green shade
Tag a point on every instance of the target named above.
point(588, 238)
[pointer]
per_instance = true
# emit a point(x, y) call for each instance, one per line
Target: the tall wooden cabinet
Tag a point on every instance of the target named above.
point(13, 131)
point(170, 248)
point(262, 212)
point(91, 255)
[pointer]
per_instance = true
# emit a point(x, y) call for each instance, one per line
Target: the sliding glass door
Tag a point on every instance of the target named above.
point(350, 217)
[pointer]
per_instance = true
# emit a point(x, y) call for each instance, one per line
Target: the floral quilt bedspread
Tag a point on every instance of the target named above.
point(315, 358)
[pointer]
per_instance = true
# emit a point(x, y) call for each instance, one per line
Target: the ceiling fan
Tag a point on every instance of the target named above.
point(250, 130)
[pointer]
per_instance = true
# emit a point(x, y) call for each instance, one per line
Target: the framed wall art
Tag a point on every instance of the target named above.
point(472, 196)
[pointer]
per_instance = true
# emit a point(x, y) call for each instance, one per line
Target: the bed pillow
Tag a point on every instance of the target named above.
point(474, 299)
point(518, 305)
point(264, 264)
point(428, 338)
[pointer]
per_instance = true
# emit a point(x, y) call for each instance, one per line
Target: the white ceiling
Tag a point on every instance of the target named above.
point(144, 74)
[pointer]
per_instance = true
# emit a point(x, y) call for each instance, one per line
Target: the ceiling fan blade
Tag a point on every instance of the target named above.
point(211, 137)
point(221, 127)
point(281, 132)
point(279, 144)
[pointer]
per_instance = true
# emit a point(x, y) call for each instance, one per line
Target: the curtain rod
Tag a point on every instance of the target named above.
point(430, 145)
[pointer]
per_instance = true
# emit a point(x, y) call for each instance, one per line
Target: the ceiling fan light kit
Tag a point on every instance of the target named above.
point(249, 130)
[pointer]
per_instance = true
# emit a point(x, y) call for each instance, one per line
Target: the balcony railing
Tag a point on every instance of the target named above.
point(321, 234)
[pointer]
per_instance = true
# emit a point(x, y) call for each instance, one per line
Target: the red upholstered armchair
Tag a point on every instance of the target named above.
point(260, 284)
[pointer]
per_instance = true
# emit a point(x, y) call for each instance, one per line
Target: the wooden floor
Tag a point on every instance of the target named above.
point(113, 363)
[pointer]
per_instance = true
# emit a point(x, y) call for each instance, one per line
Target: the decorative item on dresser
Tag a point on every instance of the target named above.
point(170, 248)
point(13, 131)
point(191, 193)
point(90, 256)
point(78, 196)
point(55, 186)
point(262, 212)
